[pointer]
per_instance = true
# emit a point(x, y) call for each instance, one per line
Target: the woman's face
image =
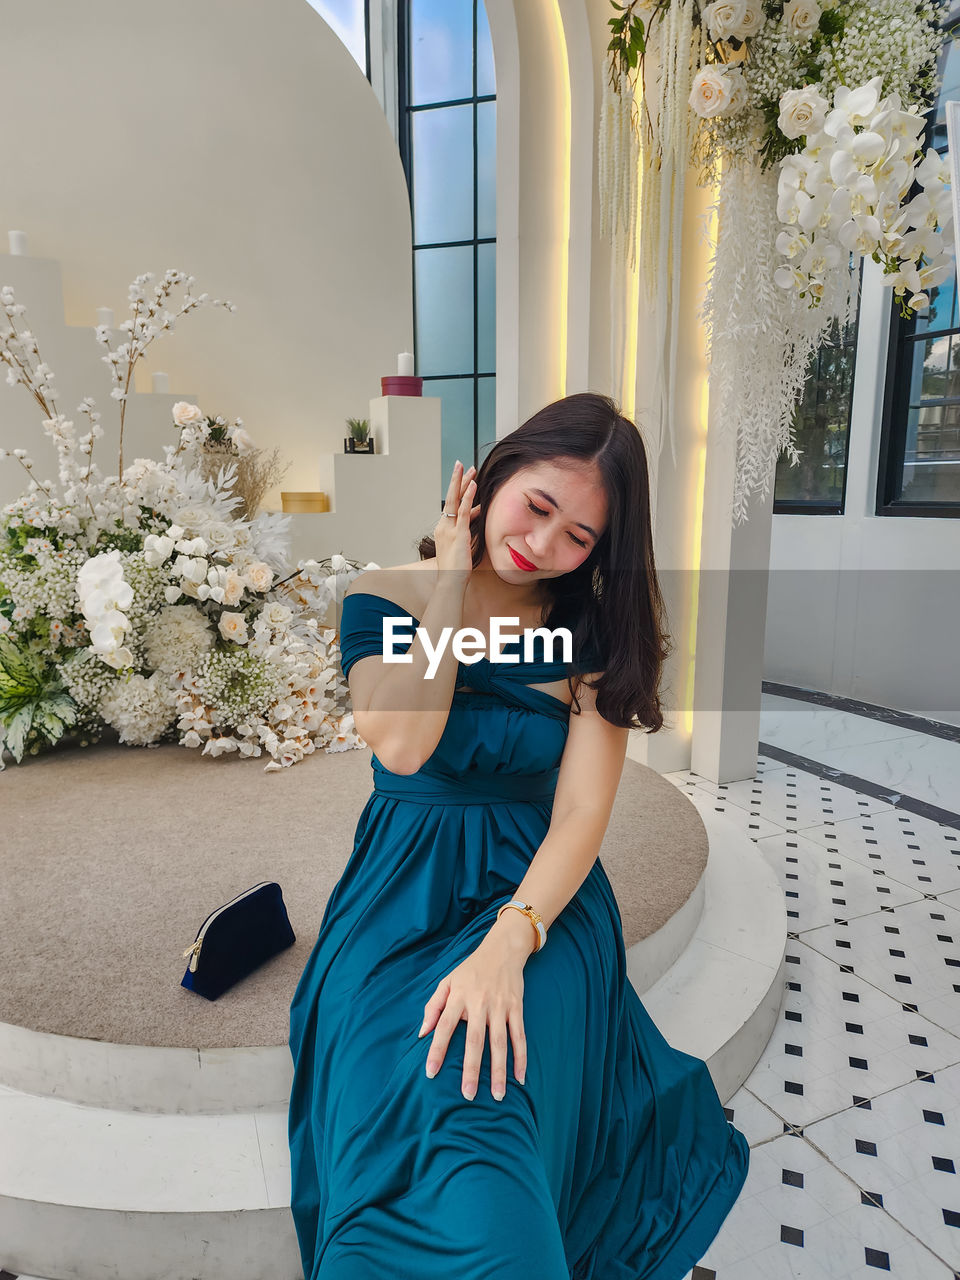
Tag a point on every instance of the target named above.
point(551, 516)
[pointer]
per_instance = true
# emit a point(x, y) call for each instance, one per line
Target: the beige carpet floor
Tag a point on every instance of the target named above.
point(112, 856)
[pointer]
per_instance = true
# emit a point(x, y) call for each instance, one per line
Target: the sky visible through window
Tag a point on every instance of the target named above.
point(346, 18)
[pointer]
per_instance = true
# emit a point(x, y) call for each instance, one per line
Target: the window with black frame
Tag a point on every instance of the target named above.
point(821, 429)
point(919, 471)
point(447, 99)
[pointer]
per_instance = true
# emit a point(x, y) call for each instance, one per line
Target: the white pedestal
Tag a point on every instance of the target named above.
point(381, 504)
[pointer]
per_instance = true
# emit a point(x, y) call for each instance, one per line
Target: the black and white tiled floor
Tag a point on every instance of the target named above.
point(853, 1111)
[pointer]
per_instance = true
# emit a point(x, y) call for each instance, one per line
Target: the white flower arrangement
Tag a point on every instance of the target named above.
point(143, 602)
point(843, 194)
point(825, 100)
point(806, 96)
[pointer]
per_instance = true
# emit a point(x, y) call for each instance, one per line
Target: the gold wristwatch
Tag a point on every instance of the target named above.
point(533, 916)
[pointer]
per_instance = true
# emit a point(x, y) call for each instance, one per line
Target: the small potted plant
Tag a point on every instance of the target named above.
point(359, 440)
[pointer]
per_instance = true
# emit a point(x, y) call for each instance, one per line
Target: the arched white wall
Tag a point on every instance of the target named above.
point(240, 142)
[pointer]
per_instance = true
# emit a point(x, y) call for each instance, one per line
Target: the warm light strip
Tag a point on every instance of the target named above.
point(628, 395)
point(565, 161)
point(685, 716)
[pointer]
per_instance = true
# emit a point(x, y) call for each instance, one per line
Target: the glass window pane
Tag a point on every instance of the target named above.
point(486, 416)
point(441, 50)
point(486, 308)
point(931, 461)
point(821, 426)
point(486, 79)
point(348, 21)
point(939, 315)
point(443, 174)
point(931, 359)
point(444, 300)
point(456, 422)
point(486, 169)
point(950, 91)
point(928, 361)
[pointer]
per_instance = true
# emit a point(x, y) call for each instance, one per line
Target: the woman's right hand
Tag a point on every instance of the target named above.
point(452, 537)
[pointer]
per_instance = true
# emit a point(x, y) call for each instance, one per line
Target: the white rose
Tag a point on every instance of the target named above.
point(233, 586)
point(739, 93)
point(219, 536)
point(802, 112)
point(243, 442)
point(192, 518)
point(712, 92)
point(752, 19)
point(724, 18)
point(276, 614)
point(802, 18)
point(259, 576)
point(233, 626)
point(186, 414)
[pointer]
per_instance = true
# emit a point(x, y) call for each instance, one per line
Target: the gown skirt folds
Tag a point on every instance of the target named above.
point(613, 1161)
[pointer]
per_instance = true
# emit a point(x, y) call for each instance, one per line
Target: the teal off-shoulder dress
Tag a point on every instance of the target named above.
point(613, 1161)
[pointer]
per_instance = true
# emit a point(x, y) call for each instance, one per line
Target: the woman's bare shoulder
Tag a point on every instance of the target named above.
point(404, 584)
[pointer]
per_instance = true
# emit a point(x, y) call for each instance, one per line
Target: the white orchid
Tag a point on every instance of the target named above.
point(157, 548)
point(933, 169)
point(104, 595)
point(853, 106)
point(847, 197)
point(192, 546)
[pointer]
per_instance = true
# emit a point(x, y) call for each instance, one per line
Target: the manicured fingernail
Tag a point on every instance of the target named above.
point(420, 1032)
point(469, 1096)
point(522, 1076)
point(498, 1096)
point(431, 1070)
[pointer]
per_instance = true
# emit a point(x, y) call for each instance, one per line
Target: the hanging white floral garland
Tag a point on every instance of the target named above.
point(809, 117)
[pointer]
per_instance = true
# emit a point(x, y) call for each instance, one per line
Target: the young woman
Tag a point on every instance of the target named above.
point(478, 1090)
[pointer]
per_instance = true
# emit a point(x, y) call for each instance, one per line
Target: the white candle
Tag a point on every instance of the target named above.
point(405, 364)
point(161, 383)
point(105, 316)
point(18, 242)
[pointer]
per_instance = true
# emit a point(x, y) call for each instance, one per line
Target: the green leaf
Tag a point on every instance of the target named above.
point(17, 732)
point(15, 665)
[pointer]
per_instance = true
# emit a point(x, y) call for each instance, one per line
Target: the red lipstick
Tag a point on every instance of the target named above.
point(520, 562)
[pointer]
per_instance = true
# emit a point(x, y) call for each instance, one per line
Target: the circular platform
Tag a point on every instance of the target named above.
point(113, 856)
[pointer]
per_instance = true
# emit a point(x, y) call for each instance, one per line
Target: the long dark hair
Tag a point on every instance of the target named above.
point(612, 602)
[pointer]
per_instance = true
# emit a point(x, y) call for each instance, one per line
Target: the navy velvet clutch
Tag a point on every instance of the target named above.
point(236, 939)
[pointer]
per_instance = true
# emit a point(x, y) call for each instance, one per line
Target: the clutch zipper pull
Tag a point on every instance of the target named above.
point(193, 951)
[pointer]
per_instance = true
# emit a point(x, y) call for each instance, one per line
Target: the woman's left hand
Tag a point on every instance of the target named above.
point(487, 988)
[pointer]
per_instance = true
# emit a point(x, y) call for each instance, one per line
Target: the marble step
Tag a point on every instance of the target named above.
point(720, 999)
point(90, 1193)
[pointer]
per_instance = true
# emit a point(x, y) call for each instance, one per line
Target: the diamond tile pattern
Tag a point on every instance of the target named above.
point(853, 1111)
